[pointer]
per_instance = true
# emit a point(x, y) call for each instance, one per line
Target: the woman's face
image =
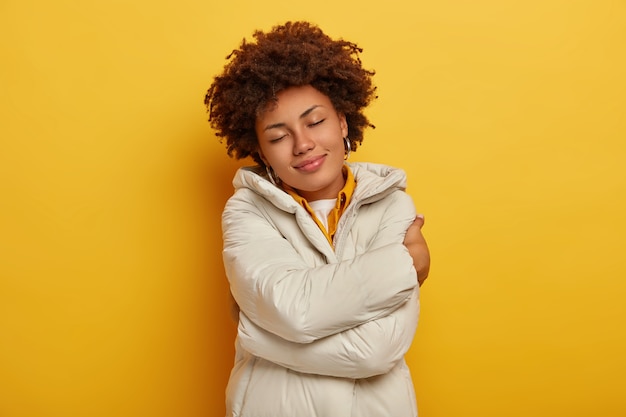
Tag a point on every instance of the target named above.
point(301, 138)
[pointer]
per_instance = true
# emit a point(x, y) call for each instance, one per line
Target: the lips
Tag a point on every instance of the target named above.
point(311, 164)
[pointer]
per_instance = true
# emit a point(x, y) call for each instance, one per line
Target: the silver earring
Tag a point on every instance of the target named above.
point(270, 174)
point(347, 147)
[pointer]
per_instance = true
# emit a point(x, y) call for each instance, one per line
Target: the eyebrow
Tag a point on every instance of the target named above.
point(303, 115)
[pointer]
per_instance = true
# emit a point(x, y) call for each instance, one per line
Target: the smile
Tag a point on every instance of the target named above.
point(312, 164)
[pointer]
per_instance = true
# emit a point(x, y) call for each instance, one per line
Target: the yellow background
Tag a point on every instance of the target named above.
point(509, 117)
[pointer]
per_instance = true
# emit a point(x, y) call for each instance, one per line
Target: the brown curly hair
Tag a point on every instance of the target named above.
point(293, 54)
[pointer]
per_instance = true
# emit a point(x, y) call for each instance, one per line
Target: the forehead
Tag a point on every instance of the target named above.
point(294, 100)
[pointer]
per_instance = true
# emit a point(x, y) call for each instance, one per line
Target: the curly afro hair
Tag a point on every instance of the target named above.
point(293, 54)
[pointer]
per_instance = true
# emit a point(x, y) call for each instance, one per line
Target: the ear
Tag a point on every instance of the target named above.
point(343, 124)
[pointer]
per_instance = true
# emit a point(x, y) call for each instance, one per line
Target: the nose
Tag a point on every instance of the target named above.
point(302, 143)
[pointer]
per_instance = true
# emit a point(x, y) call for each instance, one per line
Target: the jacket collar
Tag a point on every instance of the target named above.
point(374, 181)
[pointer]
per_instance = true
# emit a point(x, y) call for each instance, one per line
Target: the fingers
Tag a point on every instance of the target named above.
point(419, 220)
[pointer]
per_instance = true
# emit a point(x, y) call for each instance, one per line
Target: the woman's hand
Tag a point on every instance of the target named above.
point(416, 244)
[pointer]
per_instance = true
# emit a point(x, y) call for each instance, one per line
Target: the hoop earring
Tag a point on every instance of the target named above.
point(270, 174)
point(347, 147)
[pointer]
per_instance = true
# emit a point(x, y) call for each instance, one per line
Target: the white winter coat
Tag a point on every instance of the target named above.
point(322, 332)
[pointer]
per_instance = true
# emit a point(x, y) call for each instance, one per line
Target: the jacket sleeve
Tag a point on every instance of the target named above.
point(372, 348)
point(278, 291)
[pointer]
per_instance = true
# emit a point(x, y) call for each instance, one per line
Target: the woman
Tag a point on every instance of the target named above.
point(324, 257)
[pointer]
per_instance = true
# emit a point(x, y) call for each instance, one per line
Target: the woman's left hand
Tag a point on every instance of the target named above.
point(416, 244)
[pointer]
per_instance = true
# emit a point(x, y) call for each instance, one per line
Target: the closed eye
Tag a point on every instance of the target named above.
point(277, 139)
point(316, 123)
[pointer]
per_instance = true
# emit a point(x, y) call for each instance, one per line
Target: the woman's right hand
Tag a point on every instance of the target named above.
point(416, 244)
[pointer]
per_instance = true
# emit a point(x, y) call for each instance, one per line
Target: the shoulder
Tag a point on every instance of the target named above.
point(373, 170)
point(396, 204)
point(378, 177)
point(254, 192)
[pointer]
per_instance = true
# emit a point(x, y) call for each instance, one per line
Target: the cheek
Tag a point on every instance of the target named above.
point(338, 143)
point(269, 151)
point(276, 154)
point(261, 154)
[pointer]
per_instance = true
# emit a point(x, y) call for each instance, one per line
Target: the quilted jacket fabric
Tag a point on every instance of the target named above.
point(322, 331)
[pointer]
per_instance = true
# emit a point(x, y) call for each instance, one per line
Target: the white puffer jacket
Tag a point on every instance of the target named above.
point(322, 332)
